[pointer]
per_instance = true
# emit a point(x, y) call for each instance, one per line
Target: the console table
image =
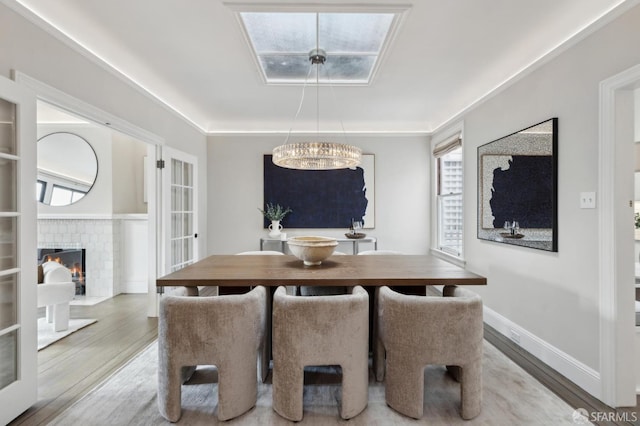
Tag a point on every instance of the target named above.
point(355, 242)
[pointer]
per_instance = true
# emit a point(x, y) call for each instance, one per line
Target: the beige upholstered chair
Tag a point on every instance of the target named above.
point(421, 290)
point(290, 289)
point(378, 252)
point(261, 252)
point(225, 331)
point(373, 300)
point(314, 331)
point(310, 290)
point(265, 356)
point(416, 331)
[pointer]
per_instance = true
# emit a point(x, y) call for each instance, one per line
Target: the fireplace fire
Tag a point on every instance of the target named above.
point(72, 259)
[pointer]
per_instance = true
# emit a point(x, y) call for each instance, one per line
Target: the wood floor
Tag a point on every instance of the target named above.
point(560, 385)
point(73, 366)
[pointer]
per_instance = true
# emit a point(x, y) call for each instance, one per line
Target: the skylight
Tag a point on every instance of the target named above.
point(353, 42)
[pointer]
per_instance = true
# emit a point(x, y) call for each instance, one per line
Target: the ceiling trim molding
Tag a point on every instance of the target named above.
point(284, 133)
point(87, 53)
point(607, 17)
point(77, 107)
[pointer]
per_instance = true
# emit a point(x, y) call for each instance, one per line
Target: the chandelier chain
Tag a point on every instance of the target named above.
point(304, 86)
point(319, 154)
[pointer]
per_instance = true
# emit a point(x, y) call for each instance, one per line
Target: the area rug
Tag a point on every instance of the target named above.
point(47, 336)
point(510, 396)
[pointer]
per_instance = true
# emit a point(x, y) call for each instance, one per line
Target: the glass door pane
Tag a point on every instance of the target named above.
point(18, 314)
point(180, 214)
point(9, 327)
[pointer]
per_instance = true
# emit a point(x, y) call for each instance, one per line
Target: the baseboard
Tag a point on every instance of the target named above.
point(637, 360)
point(582, 375)
point(139, 286)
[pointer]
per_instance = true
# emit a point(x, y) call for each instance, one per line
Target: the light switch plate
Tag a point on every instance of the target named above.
point(587, 200)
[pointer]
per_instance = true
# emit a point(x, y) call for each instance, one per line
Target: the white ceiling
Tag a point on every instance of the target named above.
point(446, 55)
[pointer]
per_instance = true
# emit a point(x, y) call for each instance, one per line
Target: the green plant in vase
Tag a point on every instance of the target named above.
point(275, 213)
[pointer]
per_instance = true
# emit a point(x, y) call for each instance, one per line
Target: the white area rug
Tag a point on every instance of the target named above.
point(511, 396)
point(87, 301)
point(47, 336)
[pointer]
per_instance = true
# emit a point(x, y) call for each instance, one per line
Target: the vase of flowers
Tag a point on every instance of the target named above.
point(275, 213)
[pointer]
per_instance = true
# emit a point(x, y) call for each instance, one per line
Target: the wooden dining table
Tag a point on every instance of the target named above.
point(343, 271)
point(346, 270)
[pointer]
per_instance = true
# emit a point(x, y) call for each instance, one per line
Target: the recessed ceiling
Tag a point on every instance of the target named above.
point(193, 55)
point(282, 42)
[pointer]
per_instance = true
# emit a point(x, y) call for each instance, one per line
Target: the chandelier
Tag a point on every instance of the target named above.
point(316, 155)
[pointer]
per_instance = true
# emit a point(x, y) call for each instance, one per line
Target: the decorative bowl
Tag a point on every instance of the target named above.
point(510, 235)
point(355, 235)
point(312, 250)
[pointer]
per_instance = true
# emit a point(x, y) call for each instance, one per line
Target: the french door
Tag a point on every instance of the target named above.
point(179, 209)
point(18, 353)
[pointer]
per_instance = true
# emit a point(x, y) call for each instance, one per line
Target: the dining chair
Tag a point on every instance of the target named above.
point(266, 348)
point(378, 252)
point(225, 331)
point(416, 331)
point(261, 252)
point(373, 322)
point(311, 290)
point(236, 290)
point(320, 331)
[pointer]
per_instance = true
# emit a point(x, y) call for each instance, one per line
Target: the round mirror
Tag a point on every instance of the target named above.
point(67, 169)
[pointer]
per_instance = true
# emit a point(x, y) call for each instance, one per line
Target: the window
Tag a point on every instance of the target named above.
point(354, 41)
point(40, 189)
point(449, 196)
point(61, 196)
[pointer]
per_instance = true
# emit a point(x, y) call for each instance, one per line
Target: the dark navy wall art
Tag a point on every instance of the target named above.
point(322, 198)
point(517, 193)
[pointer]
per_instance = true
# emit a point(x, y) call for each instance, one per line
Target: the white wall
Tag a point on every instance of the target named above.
point(636, 130)
point(553, 296)
point(128, 174)
point(236, 192)
point(30, 50)
point(133, 255)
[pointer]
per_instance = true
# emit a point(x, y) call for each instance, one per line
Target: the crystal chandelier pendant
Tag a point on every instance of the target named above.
point(316, 155)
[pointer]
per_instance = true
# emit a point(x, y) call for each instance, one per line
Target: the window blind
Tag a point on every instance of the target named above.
point(448, 145)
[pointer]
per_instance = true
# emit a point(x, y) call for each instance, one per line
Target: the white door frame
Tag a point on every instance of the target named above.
point(21, 394)
point(617, 331)
point(80, 108)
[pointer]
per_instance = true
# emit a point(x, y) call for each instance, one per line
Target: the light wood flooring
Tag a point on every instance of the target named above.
point(560, 385)
point(73, 366)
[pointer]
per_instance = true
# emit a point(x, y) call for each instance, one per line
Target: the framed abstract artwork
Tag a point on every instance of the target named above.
point(322, 198)
point(518, 189)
